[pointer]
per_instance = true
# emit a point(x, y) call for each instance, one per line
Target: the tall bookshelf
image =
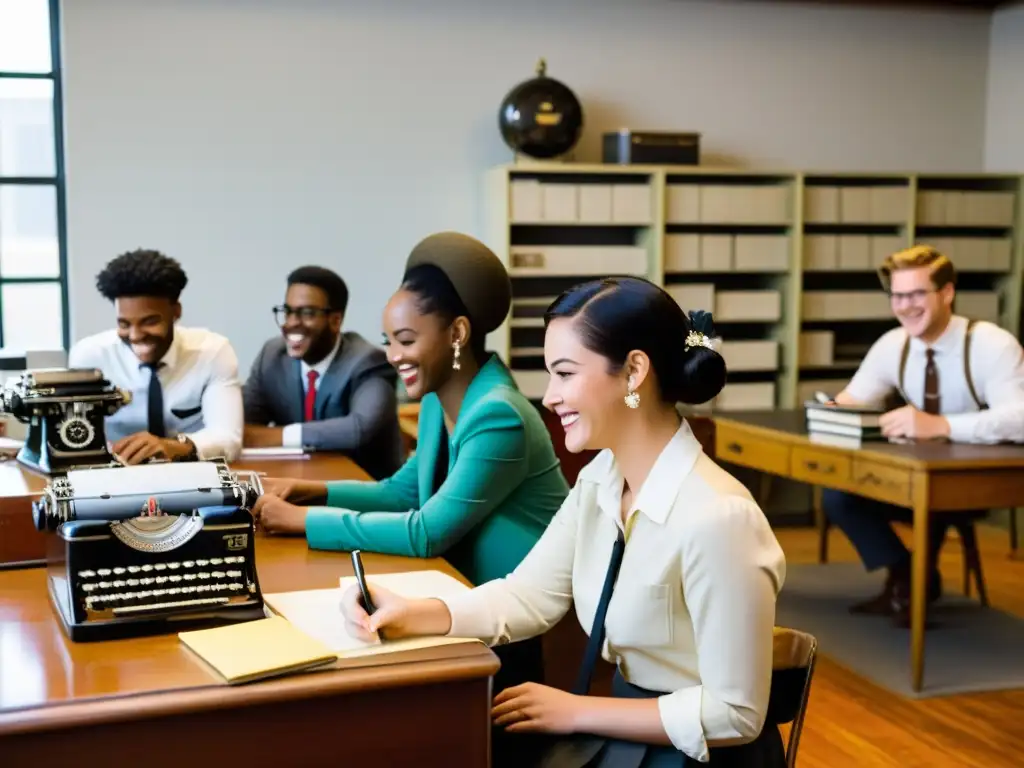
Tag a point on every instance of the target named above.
point(786, 260)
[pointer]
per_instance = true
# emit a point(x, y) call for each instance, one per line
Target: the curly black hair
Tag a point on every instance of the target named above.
point(142, 273)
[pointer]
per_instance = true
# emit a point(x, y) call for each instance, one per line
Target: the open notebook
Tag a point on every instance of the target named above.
point(317, 612)
point(254, 650)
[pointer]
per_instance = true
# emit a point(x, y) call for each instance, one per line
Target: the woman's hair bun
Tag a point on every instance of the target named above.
point(616, 315)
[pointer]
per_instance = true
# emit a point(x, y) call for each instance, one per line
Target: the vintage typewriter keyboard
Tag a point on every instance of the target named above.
point(132, 589)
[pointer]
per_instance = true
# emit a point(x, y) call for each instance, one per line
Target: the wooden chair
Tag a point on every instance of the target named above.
point(966, 529)
point(794, 655)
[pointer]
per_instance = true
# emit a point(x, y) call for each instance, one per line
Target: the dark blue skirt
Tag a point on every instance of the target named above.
point(585, 751)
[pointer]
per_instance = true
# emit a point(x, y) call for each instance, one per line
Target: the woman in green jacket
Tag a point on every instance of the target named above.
point(484, 482)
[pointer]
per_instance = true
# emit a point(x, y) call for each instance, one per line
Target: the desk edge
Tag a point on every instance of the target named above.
point(311, 685)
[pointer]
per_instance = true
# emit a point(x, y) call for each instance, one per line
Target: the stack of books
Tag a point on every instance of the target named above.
point(842, 425)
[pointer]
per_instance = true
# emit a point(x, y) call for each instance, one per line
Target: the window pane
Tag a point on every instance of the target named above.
point(26, 128)
point(33, 316)
point(25, 36)
point(28, 231)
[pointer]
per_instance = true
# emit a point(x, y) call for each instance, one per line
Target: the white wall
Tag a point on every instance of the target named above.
point(246, 138)
point(1004, 118)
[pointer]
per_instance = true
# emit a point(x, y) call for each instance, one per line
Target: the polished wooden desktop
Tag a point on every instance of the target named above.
point(924, 477)
point(21, 544)
point(149, 701)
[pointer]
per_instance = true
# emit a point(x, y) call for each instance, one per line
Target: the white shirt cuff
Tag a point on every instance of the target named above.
point(680, 716)
point(291, 436)
point(961, 427)
point(203, 446)
point(471, 617)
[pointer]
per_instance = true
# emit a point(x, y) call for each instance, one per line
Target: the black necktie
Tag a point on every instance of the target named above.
point(155, 410)
point(931, 384)
point(596, 639)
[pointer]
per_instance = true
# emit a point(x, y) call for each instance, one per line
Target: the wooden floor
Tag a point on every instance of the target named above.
point(852, 722)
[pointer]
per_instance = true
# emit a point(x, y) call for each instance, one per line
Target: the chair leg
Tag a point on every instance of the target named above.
point(972, 561)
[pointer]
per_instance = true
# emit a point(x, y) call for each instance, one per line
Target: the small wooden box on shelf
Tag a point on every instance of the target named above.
point(786, 260)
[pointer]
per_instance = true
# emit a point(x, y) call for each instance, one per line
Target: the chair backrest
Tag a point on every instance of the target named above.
point(793, 657)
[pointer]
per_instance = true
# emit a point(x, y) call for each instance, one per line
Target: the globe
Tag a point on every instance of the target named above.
point(541, 117)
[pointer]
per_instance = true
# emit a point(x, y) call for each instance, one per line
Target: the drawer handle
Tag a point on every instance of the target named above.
point(872, 478)
point(815, 467)
point(734, 448)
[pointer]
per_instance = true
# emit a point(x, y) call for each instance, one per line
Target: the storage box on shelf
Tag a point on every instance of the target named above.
point(728, 248)
point(786, 261)
point(850, 223)
point(556, 225)
point(974, 220)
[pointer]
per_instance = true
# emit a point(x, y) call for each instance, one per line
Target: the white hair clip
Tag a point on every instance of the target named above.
point(698, 339)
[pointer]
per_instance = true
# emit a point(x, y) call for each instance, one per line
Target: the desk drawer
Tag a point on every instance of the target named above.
point(815, 466)
point(738, 447)
point(881, 481)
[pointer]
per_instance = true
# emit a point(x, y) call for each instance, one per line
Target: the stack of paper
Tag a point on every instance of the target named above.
point(273, 452)
point(254, 650)
point(317, 612)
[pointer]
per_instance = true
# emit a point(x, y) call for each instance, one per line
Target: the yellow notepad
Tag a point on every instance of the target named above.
point(254, 650)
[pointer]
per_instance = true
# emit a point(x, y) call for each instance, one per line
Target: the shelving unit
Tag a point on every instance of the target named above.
point(786, 260)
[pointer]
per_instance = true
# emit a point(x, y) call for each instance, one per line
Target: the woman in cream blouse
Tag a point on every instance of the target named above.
point(690, 562)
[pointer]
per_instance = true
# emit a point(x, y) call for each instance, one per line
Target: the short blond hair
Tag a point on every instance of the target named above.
point(942, 271)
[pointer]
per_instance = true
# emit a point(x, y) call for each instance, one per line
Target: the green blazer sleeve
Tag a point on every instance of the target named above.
point(490, 464)
point(397, 493)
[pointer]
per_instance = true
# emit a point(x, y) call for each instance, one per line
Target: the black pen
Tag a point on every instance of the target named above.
point(357, 566)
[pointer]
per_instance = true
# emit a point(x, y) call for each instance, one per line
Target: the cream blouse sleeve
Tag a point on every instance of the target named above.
point(732, 570)
point(531, 599)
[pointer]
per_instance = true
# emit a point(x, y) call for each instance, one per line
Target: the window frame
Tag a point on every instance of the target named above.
point(57, 181)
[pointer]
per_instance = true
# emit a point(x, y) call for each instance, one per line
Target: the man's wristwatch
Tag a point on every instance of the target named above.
point(193, 451)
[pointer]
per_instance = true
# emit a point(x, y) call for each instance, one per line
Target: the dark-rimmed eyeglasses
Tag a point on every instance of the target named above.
point(283, 312)
point(914, 297)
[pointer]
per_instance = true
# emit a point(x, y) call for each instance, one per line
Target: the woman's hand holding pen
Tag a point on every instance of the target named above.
point(395, 616)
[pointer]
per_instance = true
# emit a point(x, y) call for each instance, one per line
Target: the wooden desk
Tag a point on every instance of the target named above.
point(21, 544)
point(925, 477)
point(151, 702)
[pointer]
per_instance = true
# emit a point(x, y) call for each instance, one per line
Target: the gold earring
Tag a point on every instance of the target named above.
point(632, 397)
point(456, 365)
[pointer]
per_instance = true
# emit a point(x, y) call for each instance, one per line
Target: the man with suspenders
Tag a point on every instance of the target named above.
point(959, 380)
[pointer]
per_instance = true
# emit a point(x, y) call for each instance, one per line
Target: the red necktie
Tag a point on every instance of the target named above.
point(311, 394)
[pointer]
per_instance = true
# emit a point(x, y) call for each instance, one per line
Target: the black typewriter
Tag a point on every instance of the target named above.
point(150, 549)
point(64, 409)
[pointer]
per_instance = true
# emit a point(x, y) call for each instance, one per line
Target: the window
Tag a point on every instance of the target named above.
point(33, 244)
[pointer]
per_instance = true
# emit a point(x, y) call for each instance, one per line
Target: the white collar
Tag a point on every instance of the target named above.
point(658, 493)
point(322, 366)
point(951, 336)
point(170, 358)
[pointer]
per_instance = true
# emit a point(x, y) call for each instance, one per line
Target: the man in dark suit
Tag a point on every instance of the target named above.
point(319, 388)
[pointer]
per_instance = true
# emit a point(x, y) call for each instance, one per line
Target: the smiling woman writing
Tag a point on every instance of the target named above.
point(671, 565)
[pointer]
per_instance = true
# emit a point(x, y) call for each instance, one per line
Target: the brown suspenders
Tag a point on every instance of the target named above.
point(967, 364)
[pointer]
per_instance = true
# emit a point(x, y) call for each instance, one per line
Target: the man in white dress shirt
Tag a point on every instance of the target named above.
point(960, 380)
point(186, 392)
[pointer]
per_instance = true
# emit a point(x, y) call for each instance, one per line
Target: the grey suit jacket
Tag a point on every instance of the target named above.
point(356, 408)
